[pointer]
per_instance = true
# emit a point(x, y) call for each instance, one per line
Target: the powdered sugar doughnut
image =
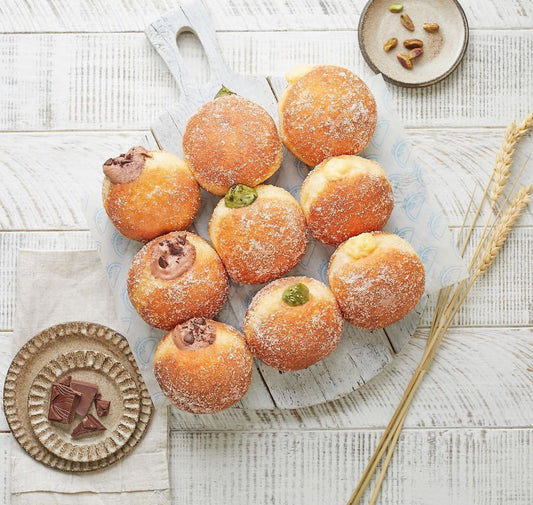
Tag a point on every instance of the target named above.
point(231, 140)
point(260, 233)
point(377, 279)
point(326, 111)
point(203, 366)
point(149, 193)
point(177, 277)
point(292, 323)
point(345, 196)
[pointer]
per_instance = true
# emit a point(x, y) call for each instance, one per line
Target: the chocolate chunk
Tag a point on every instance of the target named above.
point(89, 424)
point(63, 403)
point(66, 380)
point(194, 334)
point(88, 391)
point(102, 406)
point(189, 338)
point(125, 168)
point(163, 263)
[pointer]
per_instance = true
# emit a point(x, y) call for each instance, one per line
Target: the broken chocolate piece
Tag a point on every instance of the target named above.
point(89, 424)
point(88, 391)
point(63, 403)
point(101, 406)
point(66, 380)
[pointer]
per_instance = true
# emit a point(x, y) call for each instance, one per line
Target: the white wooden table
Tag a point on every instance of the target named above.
point(79, 82)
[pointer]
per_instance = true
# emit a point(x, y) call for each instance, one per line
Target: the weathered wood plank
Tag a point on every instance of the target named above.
point(434, 466)
point(480, 378)
point(237, 15)
point(116, 81)
point(46, 175)
point(5, 467)
point(502, 298)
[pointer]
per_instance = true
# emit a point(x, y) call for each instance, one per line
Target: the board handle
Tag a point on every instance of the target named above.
point(193, 17)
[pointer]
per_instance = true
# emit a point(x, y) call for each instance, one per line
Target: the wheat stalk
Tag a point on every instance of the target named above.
point(451, 299)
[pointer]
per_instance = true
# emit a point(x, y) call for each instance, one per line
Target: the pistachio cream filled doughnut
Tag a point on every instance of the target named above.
point(345, 196)
point(292, 323)
point(325, 111)
point(231, 140)
point(203, 366)
point(149, 193)
point(177, 277)
point(260, 233)
point(377, 279)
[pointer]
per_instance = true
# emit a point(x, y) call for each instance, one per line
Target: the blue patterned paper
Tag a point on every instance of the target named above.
point(417, 217)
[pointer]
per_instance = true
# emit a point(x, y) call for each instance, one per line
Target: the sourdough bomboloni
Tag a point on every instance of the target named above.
point(292, 323)
point(260, 233)
point(177, 277)
point(203, 366)
point(149, 193)
point(345, 196)
point(377, 279)
point(326, 111)
point(231, 140)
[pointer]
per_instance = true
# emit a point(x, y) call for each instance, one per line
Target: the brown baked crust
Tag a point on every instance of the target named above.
point(262, 241)
point(231, 140)
point(379, 289)
point(205, 380)
point(165, 197)
point(293, 338)
point(348, 206)
point(199, 292)
point(327, 112)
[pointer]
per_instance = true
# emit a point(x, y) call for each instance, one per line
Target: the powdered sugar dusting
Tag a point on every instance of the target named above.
point(205, 380)
point(293, 338)
point(328, 112)
point(347, 206)
point(379, 289)
point(199, 292)
point(262, 241)
point(231, 140)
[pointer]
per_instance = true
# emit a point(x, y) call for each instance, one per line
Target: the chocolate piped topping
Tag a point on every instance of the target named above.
point(172, 257)
point(127, 167)
point(194, 334)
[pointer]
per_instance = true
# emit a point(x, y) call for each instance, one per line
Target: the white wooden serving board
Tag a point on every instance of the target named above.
point(361, 354)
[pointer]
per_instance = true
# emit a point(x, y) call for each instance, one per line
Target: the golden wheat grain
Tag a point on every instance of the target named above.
point(502, 229)
point(502, 166)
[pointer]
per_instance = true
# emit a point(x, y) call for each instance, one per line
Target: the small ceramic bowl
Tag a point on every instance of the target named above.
point(443, 49)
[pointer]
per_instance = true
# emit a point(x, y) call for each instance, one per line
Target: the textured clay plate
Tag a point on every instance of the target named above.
point(114, 384)
point(35, 355)
point(443, 50)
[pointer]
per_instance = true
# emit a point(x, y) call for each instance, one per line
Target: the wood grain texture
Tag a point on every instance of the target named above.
point(115, 81)
point(441, 467)
point(5, 468)
point(503, 298)
point(239, 15)
point(45, 176)
point(491, 391)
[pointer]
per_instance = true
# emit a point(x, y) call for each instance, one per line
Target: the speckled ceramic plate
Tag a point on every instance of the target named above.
point(114, 384)
point(35, 355)
point(443, 50)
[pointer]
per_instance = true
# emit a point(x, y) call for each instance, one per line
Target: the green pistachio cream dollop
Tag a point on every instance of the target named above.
point(223, 91)
point(240, 196)
point(297, 294)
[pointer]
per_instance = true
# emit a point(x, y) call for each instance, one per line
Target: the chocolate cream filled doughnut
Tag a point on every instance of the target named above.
point(203, 366)
point(177, 277)
point(325, 111)
point(292, 323)
point(260, 233)
point(231, 140)
point(345, 196)
point(149, 193)
point(377, 279)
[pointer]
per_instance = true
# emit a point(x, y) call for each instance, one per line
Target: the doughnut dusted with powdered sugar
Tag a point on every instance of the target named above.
point(326, 111)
